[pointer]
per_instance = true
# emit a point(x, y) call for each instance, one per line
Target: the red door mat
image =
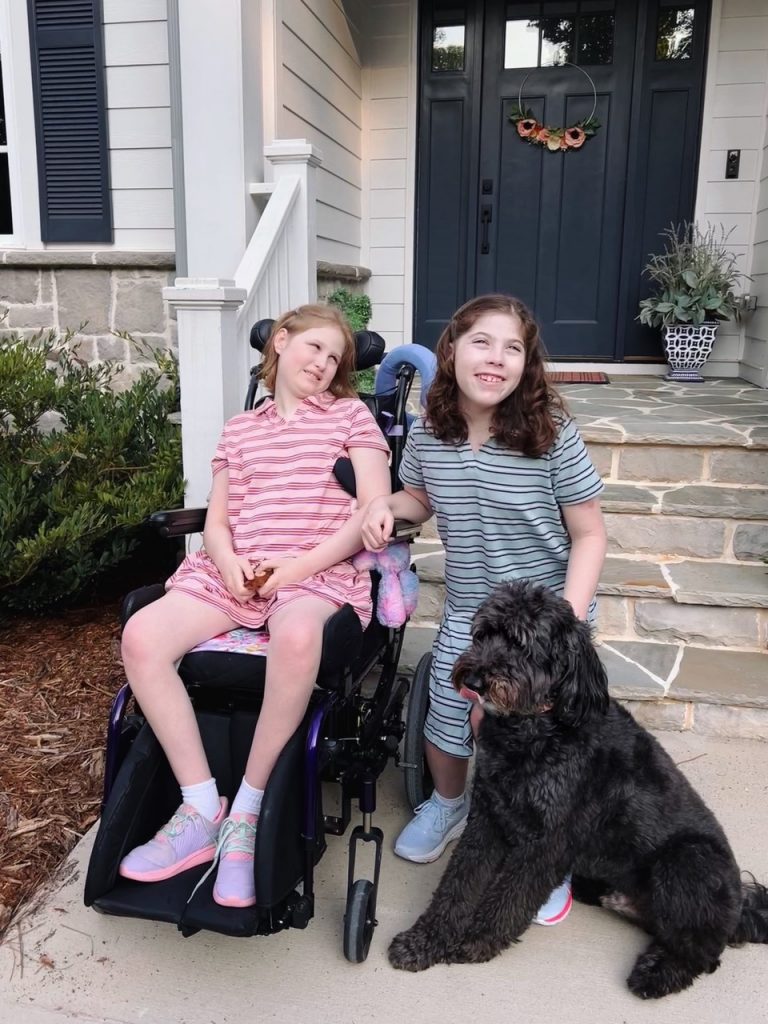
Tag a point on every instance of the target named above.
point(578, 377)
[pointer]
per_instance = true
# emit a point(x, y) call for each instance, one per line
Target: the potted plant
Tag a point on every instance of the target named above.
point(695, 280)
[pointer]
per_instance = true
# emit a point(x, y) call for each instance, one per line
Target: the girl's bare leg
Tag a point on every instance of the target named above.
point(449, 773)
point(295, 643)
point(154, 639)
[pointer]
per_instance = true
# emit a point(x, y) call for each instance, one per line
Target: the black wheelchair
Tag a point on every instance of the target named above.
point(352, 728)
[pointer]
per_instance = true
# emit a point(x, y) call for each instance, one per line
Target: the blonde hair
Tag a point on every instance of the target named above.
point(301, 319)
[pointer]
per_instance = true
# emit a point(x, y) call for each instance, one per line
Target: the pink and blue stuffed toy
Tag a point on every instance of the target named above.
point(399, 586)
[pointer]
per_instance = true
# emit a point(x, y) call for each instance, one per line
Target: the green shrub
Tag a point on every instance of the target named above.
point(357, 310)
point(73, 498)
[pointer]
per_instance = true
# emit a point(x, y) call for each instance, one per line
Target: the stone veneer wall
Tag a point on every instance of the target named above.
point(331, 276)
point(112, 291)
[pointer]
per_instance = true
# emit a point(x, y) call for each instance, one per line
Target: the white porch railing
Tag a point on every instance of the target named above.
point(278, 272)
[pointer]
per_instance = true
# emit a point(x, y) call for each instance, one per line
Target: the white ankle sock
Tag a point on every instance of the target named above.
point(248, 800)
point(453, 802)
point(204, 797)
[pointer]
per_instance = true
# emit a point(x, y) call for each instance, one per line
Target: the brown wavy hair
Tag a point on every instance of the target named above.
point(301, 319)
point(527, 420)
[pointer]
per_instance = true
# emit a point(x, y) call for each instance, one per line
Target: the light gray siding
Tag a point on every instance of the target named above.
point(320, 99)
point(138, 110)
point(755, 361)
point(735, 118)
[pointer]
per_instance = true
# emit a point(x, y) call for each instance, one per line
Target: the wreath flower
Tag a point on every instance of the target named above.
point(561, 140)
point(575, 137)
point(527, 126)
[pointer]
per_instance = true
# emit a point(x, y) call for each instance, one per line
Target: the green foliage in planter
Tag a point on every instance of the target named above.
point(357, 310)
point(695, 278)
point(73, 498)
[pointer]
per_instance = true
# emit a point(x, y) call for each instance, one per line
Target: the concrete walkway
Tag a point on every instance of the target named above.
point(64, 963)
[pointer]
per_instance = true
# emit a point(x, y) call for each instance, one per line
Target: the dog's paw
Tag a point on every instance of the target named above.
point(410, 951)
point(478, 951)
point(656, 974)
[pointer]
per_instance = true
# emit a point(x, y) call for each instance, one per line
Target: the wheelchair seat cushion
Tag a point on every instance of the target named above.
point(236, 660)
point(236, 641)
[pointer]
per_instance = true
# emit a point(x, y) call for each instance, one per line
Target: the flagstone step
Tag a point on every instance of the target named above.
point(711, 501)
point(667, 537)
point(686, 581)
point(714, 604)
point(727, 527)
point(668, 685)
point(675, 464)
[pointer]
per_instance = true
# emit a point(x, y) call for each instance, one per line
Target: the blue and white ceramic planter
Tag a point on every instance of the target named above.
point(688, 347)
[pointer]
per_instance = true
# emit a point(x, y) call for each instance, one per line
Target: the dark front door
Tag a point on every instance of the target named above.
point(566, 232)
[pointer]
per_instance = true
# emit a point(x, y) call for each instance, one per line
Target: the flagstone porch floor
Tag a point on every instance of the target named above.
point(637, 409)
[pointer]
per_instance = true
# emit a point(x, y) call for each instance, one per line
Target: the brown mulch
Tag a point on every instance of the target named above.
point(58, 677)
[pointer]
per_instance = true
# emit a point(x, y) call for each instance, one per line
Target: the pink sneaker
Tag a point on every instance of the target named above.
point(234, 886)
point(187, 840)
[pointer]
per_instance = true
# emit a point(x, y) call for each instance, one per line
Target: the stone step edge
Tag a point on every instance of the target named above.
point(639, 591)
point(726, 721)
point(633, 591)
point(616, 435)
point(659, 502)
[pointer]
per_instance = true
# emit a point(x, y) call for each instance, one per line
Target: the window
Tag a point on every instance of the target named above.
point(674, 33)
point(556, 33)
point(448, 48)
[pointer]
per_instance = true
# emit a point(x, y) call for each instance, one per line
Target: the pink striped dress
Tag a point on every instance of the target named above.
point(283, 499)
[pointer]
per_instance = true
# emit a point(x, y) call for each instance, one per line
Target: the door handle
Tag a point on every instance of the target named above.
point(486, 216)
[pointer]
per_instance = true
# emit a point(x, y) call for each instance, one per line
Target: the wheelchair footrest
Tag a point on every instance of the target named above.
point(167, 902)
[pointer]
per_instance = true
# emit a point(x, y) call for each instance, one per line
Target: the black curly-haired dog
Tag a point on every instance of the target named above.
point(567, 781)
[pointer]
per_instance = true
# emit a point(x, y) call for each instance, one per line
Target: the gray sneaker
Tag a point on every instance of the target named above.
point(433, 826)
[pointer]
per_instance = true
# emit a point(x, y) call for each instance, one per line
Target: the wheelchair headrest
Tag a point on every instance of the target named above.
point(260, 333)
point(422, 359)
point(369, 346)
point(369, 349)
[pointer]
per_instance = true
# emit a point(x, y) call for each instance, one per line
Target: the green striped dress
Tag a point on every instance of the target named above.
point(498, 516)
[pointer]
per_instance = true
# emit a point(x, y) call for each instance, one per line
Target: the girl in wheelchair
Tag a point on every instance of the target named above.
point(274, 505)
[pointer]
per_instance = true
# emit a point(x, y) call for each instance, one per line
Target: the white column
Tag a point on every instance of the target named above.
point(216, 41)
point(301, 158)
point(211, 372)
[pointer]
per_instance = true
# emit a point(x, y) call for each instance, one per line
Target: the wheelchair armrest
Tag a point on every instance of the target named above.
point(404, 530)
point(176, 522)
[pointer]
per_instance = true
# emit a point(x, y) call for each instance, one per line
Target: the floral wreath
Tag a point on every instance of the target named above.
point(562, 139)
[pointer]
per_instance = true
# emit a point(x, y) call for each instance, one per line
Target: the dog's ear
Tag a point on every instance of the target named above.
point(583, 684)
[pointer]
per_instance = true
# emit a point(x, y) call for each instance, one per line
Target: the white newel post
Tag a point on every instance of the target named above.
point(299, 158)
point(211, 372)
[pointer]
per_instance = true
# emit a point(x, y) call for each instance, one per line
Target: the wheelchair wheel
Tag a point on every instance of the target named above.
point(418, 780)
point(359, 921)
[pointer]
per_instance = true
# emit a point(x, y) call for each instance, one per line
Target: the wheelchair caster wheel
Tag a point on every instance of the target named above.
point(359, 921)
point(302, 912)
